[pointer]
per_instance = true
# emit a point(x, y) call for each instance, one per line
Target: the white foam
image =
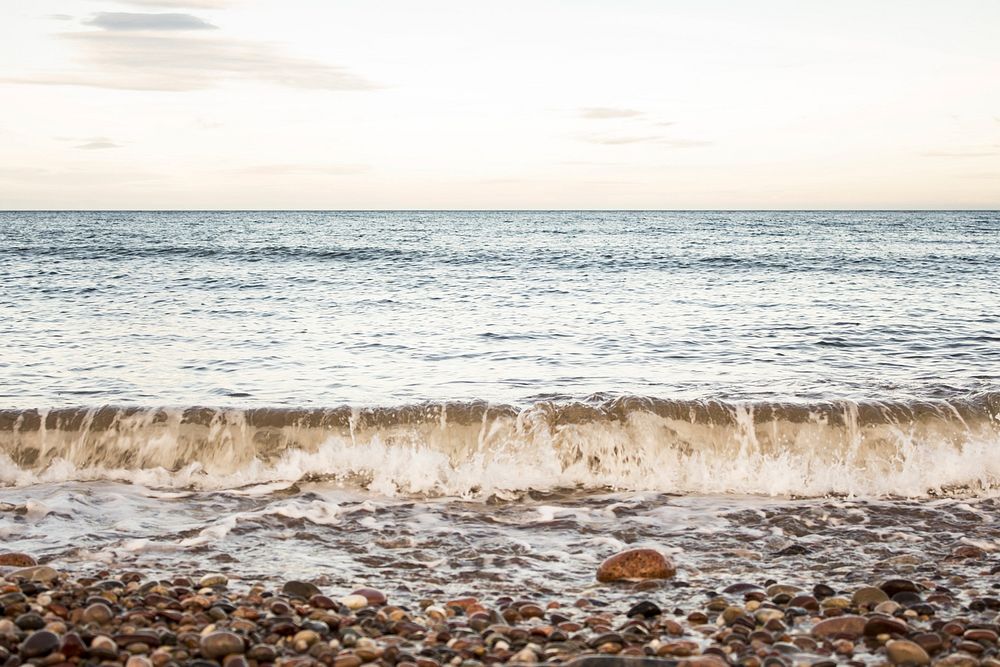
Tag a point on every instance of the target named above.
point(640, 452)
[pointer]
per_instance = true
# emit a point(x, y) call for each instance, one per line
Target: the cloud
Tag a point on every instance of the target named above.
point(74, 177)
point(647, 139)
point(178, 4)
point(618, 141)
point(60, 17)
point(301, 169)
point(98, 143)
point(602, 113)
point(129, 61)
point(988, 151)
point(131, 21)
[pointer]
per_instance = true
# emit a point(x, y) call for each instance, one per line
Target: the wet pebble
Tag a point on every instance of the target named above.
point(636, 564)
point(219, 644)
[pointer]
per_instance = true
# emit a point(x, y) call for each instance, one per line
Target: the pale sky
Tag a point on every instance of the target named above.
point(359, 104)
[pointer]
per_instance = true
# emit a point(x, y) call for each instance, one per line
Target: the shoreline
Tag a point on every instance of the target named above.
point(48, 618)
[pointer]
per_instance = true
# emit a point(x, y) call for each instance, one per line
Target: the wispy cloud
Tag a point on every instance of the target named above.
point(181, 62)
point(178, 4)
point(302, 169)
point(603, 113)
point(97, 143)
point(73, 177)
point(133, 21)
point(987, 151)
point(646, 139)
point(618, 141)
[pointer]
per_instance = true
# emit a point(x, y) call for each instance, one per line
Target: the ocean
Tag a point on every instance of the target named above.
point(467, 402)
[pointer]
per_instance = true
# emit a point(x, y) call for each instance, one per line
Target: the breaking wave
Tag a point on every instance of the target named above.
point(865, 448)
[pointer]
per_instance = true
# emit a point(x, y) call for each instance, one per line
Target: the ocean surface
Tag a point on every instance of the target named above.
point(498, 400)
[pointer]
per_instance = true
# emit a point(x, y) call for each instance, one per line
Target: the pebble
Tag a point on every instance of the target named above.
point(375, 598)
point(300, 589)
point(636, 564)
point(905, 652)
point(178, 621)
point(885, 625)
point(354, 602)
point(213, 581)
point(15, 559)
point(220, 644)
point(868, 596)
point(39, 643)
point(847, 625)
point(40, 573)
point(98, 613)
point(646, 609)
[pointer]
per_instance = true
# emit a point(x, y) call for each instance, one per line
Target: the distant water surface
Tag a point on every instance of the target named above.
point(324, 309)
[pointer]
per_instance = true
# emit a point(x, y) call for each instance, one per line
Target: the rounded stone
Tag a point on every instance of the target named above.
point(885, 625)
point(636, 564)
point(262, 653)
point(220, 644)
point(98, 613)
point(40, 573)
point(300, 589)
point(375, 598)
point(303, 639)
point(354, 602)
point(30, 621)
point(103, 646)
point(868, 596)
point(16, 559)
point(646, 609)
point(894, 586)
point(39, 644)
point(72, 645)
point(847, 626)
point(968, 551)
point(766, 614)
point(782, 589)
point(213, 581)
point(905, 652)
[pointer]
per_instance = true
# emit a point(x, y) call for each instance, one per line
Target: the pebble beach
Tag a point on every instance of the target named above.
point(641, 612)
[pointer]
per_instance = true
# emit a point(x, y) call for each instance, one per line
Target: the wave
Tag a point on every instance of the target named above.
point(866, 448)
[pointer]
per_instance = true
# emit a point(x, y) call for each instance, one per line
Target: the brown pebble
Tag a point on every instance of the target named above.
point(885, 625)
point(15, 559)
point(968, 551)
point(98, 613)
point(957, 660)
point(930, 641)
point(374, 597)
point(219, 644)
point(981, 635)
point(845, 625)
point(868, 596)
point(975, 648)
point(347, 660)
point(39, 644)
point(905, 652)
point(636, 564)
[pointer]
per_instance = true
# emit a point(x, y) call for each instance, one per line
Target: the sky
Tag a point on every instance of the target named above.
point(513, 104)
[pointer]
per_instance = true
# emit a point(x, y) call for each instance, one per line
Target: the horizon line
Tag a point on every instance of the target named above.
point(501, 210)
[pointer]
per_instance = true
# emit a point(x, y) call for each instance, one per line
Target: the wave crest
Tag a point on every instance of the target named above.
point(907, 448)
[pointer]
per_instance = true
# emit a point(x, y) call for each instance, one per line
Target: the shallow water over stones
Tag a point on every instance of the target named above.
point(538, 543)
